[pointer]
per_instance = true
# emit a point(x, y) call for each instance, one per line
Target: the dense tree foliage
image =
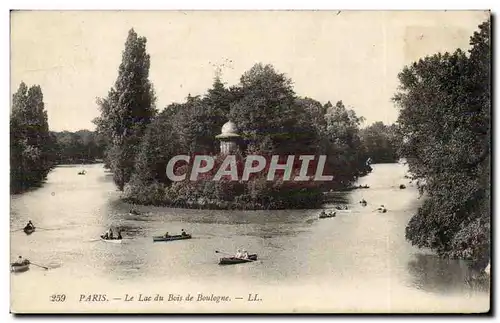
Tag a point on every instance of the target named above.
point(445, 120)
point(30, 141)
point(271, 120)
point(381, 142)
point(267, 113)
point(127, 110)
point(82, 146)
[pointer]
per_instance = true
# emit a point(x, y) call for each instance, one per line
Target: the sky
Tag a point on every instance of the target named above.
point(353, 56)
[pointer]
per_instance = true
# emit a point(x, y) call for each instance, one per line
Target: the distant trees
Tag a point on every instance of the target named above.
point(445, 121)
point(30, 141)
point(381, 142)
point(82, 146)
point(127, 110)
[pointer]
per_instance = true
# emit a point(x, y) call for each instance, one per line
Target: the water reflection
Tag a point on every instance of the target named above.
point(441, 275)
point(358, 249)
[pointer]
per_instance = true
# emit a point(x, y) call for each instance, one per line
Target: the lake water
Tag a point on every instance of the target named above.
point(358, 261)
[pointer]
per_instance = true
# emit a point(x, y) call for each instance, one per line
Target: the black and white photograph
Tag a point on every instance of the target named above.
point(258, 161)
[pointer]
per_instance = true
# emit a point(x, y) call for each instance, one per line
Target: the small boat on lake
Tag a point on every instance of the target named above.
point(29, 230)
point(171, 238)
point(114, 240)
point(234, 260)
point(83, 172)
point(324, 215)
point(20, 267)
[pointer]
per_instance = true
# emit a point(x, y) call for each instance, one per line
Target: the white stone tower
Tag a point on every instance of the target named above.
point(229, 139)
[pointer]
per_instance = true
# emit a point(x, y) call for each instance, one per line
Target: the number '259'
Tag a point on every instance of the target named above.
point(58, 298)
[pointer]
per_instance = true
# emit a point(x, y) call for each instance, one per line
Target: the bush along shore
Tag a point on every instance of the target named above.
point(256, 193)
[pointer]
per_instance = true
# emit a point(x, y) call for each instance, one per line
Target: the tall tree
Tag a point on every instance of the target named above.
point(30, 140)
point(128, 109)
point(444, 117)
point(267, 112)
point(342, 143)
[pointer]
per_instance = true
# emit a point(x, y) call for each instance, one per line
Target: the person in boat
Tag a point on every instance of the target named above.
point(382, 209)
point(167, 235)
point(238, 254)
point(110, 234)
point(19, 261)
point(323, 213)
point(105, 236)
point(244, 255)
point(119, 235)
point(183, 233)
point(363, 201)
point(29, 226)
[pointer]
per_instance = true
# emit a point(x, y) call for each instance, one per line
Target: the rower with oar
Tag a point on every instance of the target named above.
point(29, 228)
point(109, 235)
point(29, 225)
point(21, 265)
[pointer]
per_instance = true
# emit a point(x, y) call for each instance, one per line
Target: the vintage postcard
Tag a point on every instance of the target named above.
point(250, 161)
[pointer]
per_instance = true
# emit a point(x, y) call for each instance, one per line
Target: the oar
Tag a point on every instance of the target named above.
point(39, 265)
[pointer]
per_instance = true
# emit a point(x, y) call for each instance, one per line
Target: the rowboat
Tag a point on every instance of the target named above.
point(29, 230)
point(331, 215)
point(234, 260)
point(112, 240)
point(18, 268)
point(171, 238)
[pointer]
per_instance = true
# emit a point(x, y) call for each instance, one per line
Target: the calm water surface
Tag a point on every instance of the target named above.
point(358, 261)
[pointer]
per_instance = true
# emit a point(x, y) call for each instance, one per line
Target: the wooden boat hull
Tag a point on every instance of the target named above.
point(234, 261)
point(171, 238)
point(16, 268)
point(328, 216)
point(29, 231)
point(112, 240)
